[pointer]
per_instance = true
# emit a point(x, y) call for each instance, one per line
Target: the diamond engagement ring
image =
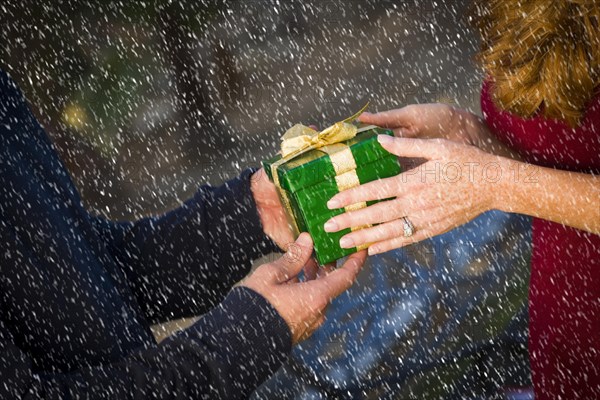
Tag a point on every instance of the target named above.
point(409, 228)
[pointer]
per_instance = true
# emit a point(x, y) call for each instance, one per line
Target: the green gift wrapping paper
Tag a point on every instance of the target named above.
point(309, 181)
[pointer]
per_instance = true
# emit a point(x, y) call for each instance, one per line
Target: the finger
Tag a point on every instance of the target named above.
point(310, 270)
point(326, 269)
point(291, 263)
point(406, 132)
point(388, 119)
point(375, 190)
point(390, 189)
point(430, 149)
point(377, 213)
point(374, 234)
point(336, 282)
point(401, 241)
point(427, 217)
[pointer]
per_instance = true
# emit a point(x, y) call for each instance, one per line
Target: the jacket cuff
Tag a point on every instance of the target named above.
point(238, 233)
point(250, 334)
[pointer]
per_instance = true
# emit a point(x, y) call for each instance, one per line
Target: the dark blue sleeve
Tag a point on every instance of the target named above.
point(182, 263)
point(225, 355)
point(178, 264)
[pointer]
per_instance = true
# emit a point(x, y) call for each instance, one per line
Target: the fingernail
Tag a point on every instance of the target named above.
point(384, 139)
point(331, 226)
point(346, 242)
point(333, 204)
point(304, 240)
point(372, 251)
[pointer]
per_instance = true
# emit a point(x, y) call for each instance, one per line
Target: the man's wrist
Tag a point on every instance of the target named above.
point(247, 336)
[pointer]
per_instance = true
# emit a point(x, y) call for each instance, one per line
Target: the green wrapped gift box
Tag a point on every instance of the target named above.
point(308, 181)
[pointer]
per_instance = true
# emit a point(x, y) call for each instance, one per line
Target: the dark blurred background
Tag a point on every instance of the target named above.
point(146, 100)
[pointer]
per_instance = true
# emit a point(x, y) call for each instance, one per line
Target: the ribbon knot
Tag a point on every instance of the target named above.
point(300, 138)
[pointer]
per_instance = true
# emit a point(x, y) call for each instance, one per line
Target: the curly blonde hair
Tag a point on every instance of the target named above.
point(543, 56)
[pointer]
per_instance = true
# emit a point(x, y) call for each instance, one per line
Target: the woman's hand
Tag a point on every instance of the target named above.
point(436, 120)
point(456, 184)
point(427, 121)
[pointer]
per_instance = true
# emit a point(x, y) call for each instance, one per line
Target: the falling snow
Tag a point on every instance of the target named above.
point(145, 103)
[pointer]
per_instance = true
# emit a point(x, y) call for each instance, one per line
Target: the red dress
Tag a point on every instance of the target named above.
point(564, 292)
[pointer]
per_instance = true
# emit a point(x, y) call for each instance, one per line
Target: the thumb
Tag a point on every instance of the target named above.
point(387, 119)
point(430, 149)
point(291, 263)
point(336, 282)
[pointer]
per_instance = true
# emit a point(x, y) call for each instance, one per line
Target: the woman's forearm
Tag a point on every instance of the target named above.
point(565, 197)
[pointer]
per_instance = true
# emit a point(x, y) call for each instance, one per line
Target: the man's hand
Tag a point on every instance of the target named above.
point(302, 304)
point(270, 210)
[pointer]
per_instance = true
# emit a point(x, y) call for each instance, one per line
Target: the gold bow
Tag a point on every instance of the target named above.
point(299, 138)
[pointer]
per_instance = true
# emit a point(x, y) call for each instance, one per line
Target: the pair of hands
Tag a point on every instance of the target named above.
point(455, 184)
point(301, 304)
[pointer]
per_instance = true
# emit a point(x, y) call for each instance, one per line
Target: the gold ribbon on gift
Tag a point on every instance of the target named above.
point(300, 139)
